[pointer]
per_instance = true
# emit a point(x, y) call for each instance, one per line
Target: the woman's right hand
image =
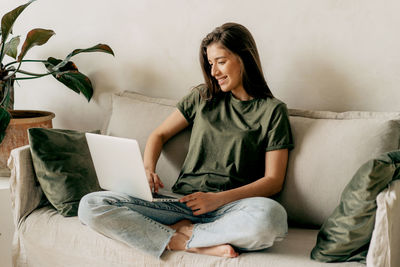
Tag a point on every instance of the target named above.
point(154, 181)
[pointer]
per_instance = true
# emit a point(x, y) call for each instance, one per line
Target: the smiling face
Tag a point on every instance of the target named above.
point(226, 69)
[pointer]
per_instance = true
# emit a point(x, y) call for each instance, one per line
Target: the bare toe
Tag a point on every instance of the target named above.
point(228, 251)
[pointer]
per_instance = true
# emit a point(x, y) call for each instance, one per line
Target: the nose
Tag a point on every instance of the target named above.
point(214, 70)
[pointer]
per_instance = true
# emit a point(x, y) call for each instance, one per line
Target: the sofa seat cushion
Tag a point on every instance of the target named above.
point(48, 239)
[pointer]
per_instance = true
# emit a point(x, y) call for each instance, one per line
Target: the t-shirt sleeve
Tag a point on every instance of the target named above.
point(188, 105)
point(279, 131)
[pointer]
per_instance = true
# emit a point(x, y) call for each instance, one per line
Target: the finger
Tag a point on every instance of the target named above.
point(198, 212)
point(193, 205)
point(155, 182)
point(190, 204)
point(151, 184)
point(156, 187)
point(186, 198)
point(158, 181)
point(149, 178)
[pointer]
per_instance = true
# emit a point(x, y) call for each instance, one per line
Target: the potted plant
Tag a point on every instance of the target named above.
point(63, 70)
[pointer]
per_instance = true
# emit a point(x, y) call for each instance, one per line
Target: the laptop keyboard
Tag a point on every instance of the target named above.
point(162, 198)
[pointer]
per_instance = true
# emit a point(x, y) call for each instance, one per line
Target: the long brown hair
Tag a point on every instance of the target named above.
point(238, 40)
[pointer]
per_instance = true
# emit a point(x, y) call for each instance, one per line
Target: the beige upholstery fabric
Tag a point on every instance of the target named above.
point(23, 184)
point(386, 235)
point(130, 110)
point(25, 195)
point(52, 240)
point(45, 238)
point(329, 148)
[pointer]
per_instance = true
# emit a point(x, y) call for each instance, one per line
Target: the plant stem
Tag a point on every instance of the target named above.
point(32, 74)
point(35, 76)
point(28, 78)
point(15, 71)
point(6, 98)
point(14, 62)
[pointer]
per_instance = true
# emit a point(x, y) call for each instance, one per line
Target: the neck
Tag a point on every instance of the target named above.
point(241, 95)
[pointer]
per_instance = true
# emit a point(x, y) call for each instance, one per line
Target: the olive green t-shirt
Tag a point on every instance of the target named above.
point(229, 140)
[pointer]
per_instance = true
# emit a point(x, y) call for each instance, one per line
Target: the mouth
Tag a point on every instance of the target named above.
point(222, 80)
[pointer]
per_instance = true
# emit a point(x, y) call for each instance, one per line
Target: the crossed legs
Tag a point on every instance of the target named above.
point(248, 224)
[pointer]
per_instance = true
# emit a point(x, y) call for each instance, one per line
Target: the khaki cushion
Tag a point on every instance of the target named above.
point(346, 234)
point(63, 167)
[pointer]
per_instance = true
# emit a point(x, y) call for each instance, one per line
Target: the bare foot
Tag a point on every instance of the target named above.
point(179, 225)
point(220, 250)
point(183, 233)
point(178, 242)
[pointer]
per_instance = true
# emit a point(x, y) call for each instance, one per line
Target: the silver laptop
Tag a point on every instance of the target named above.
point(119, 167)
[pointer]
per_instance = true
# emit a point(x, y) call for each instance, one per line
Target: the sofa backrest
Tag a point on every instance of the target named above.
point(136, 116)
point(329, 148)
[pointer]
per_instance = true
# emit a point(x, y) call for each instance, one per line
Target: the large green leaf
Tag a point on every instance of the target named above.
point(11, 47)
point(8, 20)
point(97, 48)
point(71, 77)
point(5, 118)
point(52, 62)
point(76, 81)
point(70, 66)
point(35, 37)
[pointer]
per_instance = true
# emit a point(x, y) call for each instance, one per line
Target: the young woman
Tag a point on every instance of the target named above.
point(237, 158)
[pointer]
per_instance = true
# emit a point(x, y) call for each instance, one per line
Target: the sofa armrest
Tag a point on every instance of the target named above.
point(25, 191)
point(385, 241)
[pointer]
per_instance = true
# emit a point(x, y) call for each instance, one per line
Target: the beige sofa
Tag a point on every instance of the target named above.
point(330, 147)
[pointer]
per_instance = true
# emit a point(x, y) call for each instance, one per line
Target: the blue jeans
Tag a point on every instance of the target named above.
point(247, 224)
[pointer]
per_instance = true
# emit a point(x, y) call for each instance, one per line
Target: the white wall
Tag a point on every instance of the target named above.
point(333, 55)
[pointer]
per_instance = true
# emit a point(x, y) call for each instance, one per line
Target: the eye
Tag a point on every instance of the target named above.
point(221, 62)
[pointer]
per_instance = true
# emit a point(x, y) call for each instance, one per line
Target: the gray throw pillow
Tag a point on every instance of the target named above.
point(63, 167)
point(346, 234)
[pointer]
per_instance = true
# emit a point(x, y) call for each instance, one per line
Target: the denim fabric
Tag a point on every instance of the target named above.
point(247, 224)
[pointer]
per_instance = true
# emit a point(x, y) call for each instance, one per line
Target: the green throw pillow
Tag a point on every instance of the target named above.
point(63, 167)
point(346, 234)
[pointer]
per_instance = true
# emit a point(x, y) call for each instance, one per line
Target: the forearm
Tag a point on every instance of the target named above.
point(201, 202)
point(263, 187)
point(266, 186)
point(152, 151)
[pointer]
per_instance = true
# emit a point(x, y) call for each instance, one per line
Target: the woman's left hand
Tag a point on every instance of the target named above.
point(201, 203)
